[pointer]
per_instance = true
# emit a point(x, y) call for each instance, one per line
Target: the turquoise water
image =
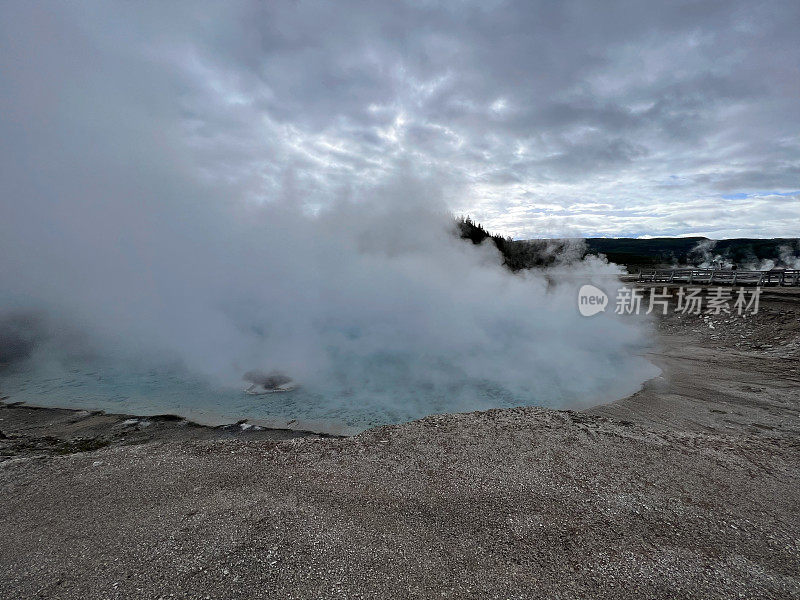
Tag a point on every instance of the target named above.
point(166, 391)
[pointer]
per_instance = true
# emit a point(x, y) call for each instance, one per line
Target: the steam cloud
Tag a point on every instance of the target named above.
point(704, 250)
point(788, 257)
point(115, 225)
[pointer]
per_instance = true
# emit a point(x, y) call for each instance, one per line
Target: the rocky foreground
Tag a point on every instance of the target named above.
point(688, 489)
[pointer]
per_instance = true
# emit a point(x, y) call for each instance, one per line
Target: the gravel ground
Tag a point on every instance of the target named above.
point(688, 489)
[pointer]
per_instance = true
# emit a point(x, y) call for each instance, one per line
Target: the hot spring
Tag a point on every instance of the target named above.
point(116, 389)
point(353, 386)
point(167, 254)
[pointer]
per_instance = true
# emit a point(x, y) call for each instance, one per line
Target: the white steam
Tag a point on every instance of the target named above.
point(708, 259)
point(788, 257)
point(109, 224)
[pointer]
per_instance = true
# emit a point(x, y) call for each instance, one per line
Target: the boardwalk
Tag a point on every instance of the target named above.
point(785, 277)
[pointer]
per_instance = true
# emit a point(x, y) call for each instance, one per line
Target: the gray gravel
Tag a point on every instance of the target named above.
point(509, 504)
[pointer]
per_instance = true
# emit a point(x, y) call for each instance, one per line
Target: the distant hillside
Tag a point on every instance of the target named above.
point(630, 251)
point(746, 253)
point(743, 252)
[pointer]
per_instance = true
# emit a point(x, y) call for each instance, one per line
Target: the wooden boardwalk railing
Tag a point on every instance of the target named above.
point(786, 277)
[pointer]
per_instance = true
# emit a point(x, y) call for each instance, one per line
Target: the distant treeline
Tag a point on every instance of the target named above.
point(653, 252)
point(524, 254)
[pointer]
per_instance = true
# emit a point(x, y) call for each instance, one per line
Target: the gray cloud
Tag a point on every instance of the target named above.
point(654, 110)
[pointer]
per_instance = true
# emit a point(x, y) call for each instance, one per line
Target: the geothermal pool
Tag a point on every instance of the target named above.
point(154, 391)
point(144, 392)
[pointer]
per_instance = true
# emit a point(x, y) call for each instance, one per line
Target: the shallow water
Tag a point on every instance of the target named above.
point(148, 391)
point(160, 391)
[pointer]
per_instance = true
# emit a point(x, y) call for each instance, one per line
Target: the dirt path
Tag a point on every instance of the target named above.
point(724, 373)
point(707, 389)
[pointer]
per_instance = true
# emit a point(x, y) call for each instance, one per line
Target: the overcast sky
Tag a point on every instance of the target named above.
point(538, 119)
